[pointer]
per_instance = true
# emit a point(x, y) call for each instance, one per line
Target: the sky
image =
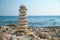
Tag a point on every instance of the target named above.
point(35, 7)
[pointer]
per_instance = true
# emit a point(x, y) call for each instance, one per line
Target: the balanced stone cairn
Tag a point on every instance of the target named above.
point(22, 22)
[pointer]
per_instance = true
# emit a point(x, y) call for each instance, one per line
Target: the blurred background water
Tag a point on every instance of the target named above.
point(33, 21)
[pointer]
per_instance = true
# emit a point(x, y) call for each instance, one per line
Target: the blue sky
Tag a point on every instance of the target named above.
point(35, 7)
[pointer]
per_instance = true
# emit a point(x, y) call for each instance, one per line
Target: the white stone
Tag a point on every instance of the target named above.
point(14, 37)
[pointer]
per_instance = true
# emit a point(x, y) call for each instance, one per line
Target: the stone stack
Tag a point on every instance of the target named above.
point(22, 22)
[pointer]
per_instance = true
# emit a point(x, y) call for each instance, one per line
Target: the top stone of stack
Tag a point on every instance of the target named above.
point(23, 7)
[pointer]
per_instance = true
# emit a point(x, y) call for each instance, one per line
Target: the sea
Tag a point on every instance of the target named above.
point(33, 21)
